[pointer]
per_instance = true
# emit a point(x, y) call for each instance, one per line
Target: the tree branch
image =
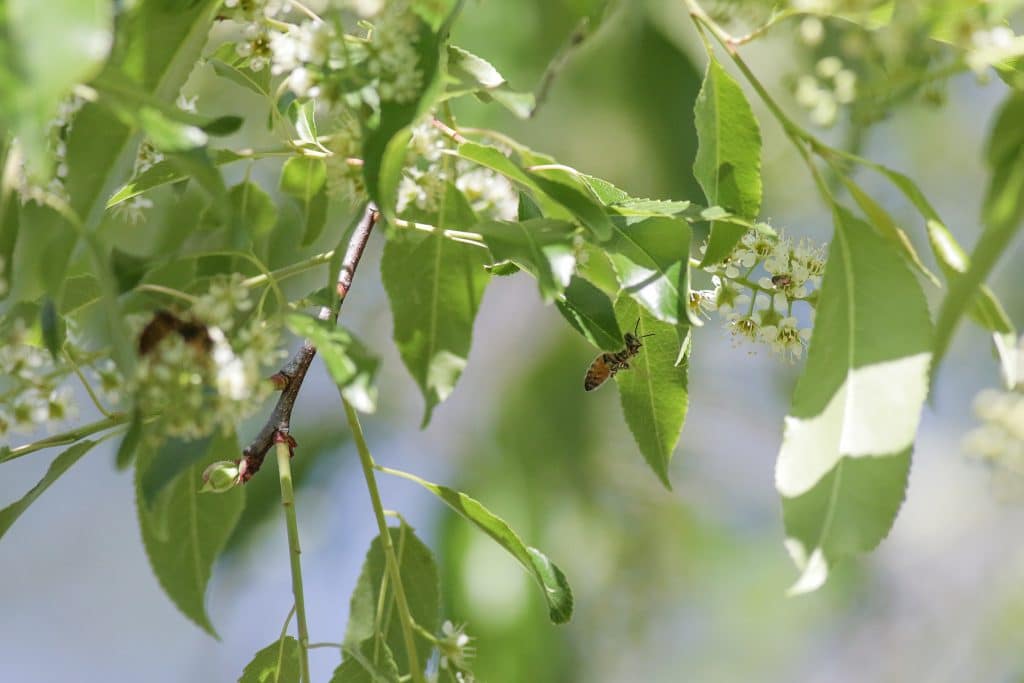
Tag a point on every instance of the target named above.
point(292, 374)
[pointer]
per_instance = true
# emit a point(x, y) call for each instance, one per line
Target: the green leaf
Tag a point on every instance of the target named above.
point(53, 328)
point(549, 577)
point(589, 310)
point(571, 192)
point(302, 177)
point(352, 365)
point(163, 173)
point(651, 260)
point(172, 458)
point(434, 285)
point(10, 216)
point(728, 162)
point(256, 81)
point(59, 466)
point(253, 208)
point(1002, 214)
point(130, 443)
point(422, 585)
point(371, 662)
point(184, 532)
point(845, 453)
point(314, 217)
point(276, 663)
point(541, 246)
point(494, 159)
point(53, 45)
point(653, 391)
point(468, 73)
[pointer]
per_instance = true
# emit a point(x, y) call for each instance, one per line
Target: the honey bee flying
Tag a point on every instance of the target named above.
point(608, 364)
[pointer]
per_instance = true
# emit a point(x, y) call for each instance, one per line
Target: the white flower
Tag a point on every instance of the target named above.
point(454, 646)
point(232, 380)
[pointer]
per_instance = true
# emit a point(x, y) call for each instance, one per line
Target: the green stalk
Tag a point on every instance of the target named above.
point(65, 438)
point(366, 460)
point(284, 470)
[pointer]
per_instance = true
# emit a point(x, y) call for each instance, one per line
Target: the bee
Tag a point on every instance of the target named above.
point(608, 364)
point(164, 323)
point(782, 280)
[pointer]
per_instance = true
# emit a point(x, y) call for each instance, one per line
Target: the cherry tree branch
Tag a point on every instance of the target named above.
point(291, 375)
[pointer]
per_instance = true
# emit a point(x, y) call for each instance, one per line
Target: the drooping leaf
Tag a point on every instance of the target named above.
point(1002, 214)
point(549, 577)
point(256, 81)
point(422, 586)
point(59, 466)
point(653, 391)
point(728, 162)
point(494, 159)
point(53, 328)
point(184, 531)
point(651, 260)
point(370, 662)
point(846, 450)
point(589, 310)
point(129, 445)
point(434, 285)
point(302, 177)
point(352, 365)
point(571, 192)
point(276, 663)
point(541, 246)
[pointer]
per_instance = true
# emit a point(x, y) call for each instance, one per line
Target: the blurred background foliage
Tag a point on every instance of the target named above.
point(675, 585)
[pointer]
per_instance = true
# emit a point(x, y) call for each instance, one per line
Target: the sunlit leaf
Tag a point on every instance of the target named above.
point(541, 246)
point(468, 73)
point(352, 365)
point(728, 163)
point(845, 453)
point(650, 256)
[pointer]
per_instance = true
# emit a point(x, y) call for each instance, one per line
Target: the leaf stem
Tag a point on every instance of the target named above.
point(65, 438)
point(368, 465)
point(284, 469)
point(85, 383)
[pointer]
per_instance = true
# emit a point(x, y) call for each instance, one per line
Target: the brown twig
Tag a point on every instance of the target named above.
point(292, 374)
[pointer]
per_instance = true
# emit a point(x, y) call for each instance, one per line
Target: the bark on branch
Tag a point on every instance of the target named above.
point(292, 374)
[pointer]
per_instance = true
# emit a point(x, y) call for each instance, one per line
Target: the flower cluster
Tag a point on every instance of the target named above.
point(429, 169)
point(32, 389)
point(822, 92)
point(999, 439)
point(206, 373)
point(758, 286)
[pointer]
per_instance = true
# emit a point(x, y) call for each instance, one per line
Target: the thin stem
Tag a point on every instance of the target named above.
point(169, 291)
point(473, 238)
point(284, 469)
point(305, 10)
point(85, 383)
point(337, 646)
point(289, 270)
point(68, 437)
point(366, 461)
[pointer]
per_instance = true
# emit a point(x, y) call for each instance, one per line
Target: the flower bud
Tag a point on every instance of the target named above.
point(219, 477)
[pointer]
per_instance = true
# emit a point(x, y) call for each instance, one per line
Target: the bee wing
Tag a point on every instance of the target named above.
point(597, 374)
